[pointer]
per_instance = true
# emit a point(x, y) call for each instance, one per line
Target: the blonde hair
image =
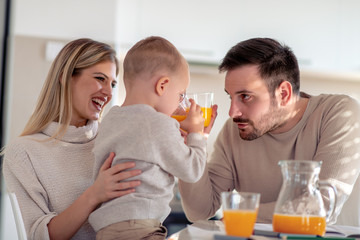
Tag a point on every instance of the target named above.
point(151, 55)
point(55, 101)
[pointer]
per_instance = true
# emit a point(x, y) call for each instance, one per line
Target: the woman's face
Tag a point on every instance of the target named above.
point(91, 91)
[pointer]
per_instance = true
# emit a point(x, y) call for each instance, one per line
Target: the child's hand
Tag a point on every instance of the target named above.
point(194, 121)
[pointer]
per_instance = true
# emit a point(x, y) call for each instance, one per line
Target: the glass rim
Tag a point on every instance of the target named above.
point(294, 162)
point(247, 194)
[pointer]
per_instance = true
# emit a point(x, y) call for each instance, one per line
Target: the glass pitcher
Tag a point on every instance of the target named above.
point(300, 208)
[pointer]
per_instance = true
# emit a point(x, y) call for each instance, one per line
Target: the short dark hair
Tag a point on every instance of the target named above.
point(276, 62)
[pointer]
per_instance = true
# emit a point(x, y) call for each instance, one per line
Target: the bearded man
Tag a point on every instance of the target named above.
point(271, 120)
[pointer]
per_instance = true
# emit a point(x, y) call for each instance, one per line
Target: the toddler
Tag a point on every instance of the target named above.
point(156, 77)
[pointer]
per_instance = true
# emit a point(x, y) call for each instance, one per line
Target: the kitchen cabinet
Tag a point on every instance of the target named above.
point(324, 34)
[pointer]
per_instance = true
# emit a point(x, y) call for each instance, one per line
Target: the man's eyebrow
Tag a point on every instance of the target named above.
point(239, 92)
point(242, 92)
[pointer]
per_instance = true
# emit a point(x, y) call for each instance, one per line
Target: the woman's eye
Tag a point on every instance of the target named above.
point(100, 78)
point(113, 84)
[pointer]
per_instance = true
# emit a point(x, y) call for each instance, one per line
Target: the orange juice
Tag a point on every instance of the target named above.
point(206, 115)
point(299, 224)
point(179, 118)
point(239, 222)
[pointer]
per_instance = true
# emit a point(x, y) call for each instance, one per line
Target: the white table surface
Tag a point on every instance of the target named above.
point(205, 230)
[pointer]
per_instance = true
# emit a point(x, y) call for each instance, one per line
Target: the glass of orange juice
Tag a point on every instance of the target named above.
point(240, 212)
point(204, 100)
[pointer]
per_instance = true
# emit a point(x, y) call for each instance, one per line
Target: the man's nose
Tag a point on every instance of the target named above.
point(234, 110)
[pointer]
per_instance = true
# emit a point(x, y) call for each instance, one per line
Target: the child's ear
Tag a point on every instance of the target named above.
point(161, 85)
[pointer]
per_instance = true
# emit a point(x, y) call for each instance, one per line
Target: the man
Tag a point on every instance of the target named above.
point(271, 120)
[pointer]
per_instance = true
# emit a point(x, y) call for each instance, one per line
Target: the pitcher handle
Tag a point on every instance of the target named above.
point(332, 192)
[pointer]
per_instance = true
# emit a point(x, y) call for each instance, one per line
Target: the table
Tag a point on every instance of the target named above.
point(205, 230)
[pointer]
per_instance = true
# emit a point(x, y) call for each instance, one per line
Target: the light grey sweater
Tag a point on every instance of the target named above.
point(329, 131)
point(152, 140)
point(48, 176)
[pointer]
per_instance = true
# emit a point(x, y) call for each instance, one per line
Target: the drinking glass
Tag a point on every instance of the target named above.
point(204, 100)
point(182, 110)
point(240, 211)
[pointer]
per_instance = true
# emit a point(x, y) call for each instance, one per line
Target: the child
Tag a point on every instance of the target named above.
point(156, 76)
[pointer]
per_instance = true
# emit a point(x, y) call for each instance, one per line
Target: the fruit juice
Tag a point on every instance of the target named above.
point(179, 118)
point(314, 225)
point(239, 222)
point(206, 115)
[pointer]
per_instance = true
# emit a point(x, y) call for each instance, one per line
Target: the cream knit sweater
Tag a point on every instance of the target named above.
point(329, 131)
point(48, 176)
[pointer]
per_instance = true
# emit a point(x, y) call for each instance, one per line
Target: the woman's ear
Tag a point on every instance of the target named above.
point(285, 92)
point(161, 85)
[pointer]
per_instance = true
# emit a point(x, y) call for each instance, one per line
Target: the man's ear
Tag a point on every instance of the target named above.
point(285, 92)
point(161, 85)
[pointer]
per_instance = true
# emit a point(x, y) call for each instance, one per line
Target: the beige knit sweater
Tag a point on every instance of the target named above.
point(329, 131)
point(48, 176)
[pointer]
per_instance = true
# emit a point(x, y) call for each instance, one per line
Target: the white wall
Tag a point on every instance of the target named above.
point(324, 33)
point(66, 19)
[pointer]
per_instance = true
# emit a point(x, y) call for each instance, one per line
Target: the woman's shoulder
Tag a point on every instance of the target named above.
point(20, 144)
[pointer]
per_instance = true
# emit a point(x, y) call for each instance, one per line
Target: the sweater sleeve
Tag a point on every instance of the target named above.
point(201, 200)
point(20, 178)
point(338, 148)
point(185, 161)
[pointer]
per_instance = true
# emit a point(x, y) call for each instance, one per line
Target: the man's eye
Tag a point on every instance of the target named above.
point(245, 97)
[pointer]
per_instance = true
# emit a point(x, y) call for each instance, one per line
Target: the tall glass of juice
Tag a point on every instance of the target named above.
point(240, 212)
point(205, 101)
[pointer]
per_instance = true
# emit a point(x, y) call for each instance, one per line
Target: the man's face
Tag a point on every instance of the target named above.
point(252, 108)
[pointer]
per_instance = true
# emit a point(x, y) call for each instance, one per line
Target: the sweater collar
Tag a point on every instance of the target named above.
point(75, 134)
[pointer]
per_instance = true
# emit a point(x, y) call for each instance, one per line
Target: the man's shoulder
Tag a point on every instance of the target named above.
point(335, 101)
point(327, 107)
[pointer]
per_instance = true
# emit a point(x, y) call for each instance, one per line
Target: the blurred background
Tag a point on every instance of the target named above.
point(324, 35)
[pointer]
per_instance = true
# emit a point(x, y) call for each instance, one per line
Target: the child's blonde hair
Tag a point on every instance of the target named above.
point(149, 56)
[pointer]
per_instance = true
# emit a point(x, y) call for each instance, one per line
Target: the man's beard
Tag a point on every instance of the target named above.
point(271, 120)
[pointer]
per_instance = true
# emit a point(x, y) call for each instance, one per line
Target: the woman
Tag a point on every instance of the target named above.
point(49, 167)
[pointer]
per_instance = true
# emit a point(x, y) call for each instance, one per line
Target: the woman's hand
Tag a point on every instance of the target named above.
point(109, 183)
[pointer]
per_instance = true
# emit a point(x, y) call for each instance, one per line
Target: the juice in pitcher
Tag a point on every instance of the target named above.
point(239, 222)
point(299, 224)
